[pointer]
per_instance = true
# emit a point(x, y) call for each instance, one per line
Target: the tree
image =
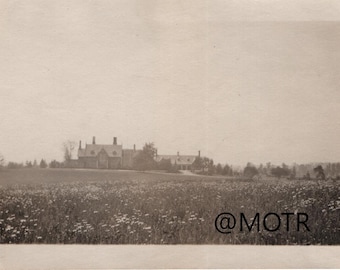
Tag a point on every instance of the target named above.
point(197, 164)
point(68, 148)
point(261, 169)
point(209, 164)
point(14, 165)
point(320, 174)
point(164, 164)
point(293, 173)
point(280, 171)
point(28, 164)
point(328, 169)
point(250, 171)
point(204, 165)
point(145, 158)
point(56, 164)
point(35, 164)
point(43, 164)
point(219, 168)
point(227, 170)
point(2, 161)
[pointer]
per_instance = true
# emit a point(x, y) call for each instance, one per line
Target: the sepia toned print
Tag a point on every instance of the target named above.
point(169, 123)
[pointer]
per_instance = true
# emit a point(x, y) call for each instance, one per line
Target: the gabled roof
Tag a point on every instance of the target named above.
point(179, 160)
point(92, 150)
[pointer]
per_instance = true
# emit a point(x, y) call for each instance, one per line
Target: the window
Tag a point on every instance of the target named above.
point(92, 152)
point(114, 153)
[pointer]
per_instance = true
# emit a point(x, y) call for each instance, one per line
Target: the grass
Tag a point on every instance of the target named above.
point(124, 207)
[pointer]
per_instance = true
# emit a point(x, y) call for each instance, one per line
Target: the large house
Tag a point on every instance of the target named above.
point(105, 156)
point(183, 162)
point(113, 156)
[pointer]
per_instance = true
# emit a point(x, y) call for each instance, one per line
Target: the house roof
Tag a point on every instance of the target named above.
point(92, 150)
point(178, 159)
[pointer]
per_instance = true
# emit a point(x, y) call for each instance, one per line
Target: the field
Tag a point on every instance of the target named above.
point(121, 207)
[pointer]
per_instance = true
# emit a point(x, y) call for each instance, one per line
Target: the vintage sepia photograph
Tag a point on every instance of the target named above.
point(169, 123)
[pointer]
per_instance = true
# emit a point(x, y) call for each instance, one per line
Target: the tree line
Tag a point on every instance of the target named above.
point(145, 160)
point(28, 164)
point(310, 171)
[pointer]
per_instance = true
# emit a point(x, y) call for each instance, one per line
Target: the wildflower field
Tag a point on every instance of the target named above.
point(60, 206)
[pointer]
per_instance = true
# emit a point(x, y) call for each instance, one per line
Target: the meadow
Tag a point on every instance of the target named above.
point(60, 206)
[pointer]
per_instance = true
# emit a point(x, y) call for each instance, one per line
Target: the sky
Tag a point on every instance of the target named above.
point(241, 81)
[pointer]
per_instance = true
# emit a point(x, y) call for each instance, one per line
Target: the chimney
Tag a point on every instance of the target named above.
point(94, 140)
point(134, 147)
point(115, 140)
point(199, 153)
point(156, 152)
point(177, 153)
point(79, 145)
